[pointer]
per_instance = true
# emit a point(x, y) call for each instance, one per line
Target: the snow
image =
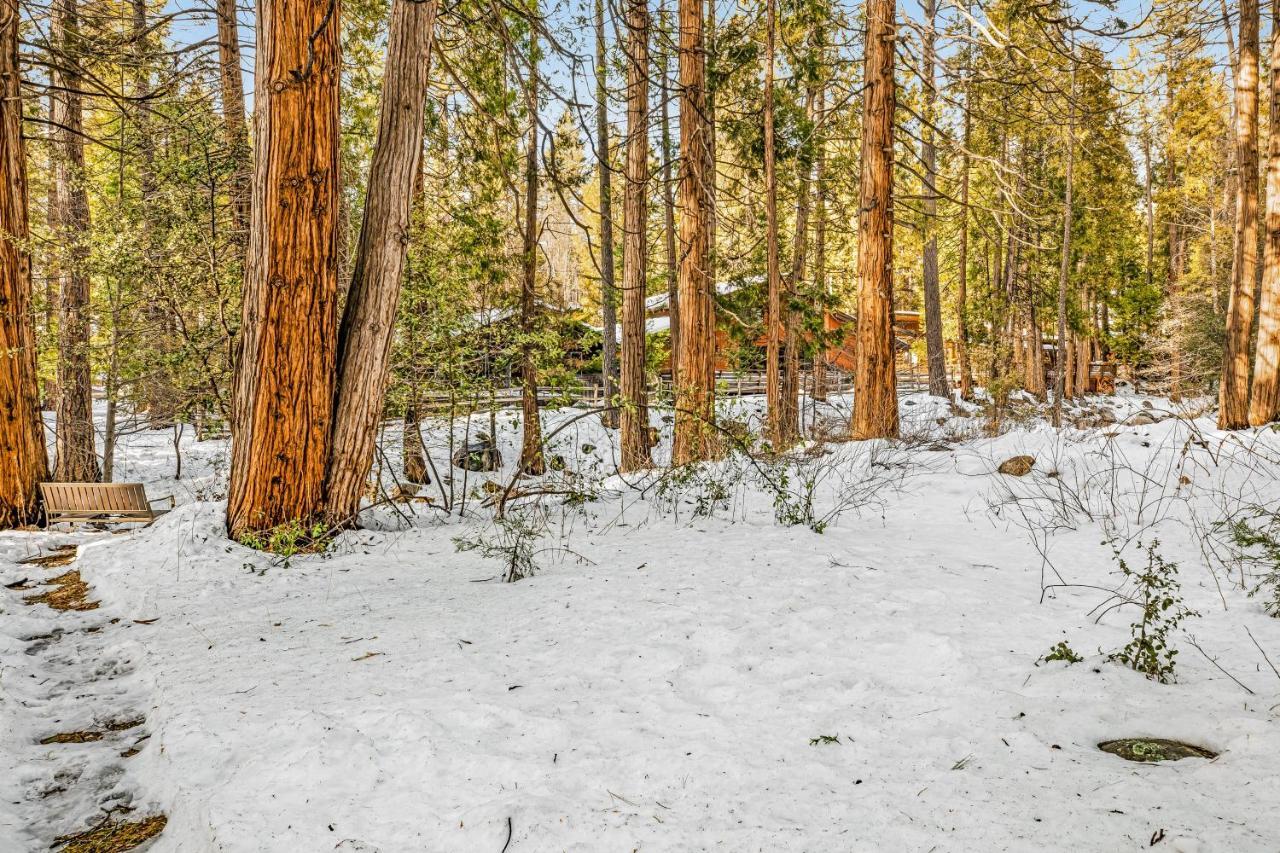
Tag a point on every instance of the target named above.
point(657, 683)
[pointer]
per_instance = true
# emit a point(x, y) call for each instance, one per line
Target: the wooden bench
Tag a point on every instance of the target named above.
point(100, 502)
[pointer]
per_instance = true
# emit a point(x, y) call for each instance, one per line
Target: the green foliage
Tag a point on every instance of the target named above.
point(1255, 533)
point(290, 538)
point(1063, 652)
point(822, 740)
point(1156, 591)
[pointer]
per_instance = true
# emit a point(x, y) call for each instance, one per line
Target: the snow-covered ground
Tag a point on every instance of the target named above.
point(666, 679)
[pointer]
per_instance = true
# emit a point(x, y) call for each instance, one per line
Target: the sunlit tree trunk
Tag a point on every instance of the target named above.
point(820, 239)
point(695, 387)
point(934, 349)
point(284, 390)
point(237, 132)
point(531, 458)
point(875, 402)
point(23, 460)
point(1264, 404)
point(413, 450)
point(774, 320)
point(1234, 395)
point(1062, 386)
point(76, 458)
point(799, 249)
point(368, 321)
point(608, 288)
point(962, 273)
point(669, 201)
point(635, 412)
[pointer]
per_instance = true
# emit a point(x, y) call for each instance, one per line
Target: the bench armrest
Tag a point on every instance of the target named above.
point(169, 498)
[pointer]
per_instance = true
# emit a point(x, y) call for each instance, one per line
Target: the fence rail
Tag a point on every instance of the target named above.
point(728, 384)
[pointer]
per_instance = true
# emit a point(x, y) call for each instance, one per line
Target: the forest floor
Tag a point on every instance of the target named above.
point(691, 665)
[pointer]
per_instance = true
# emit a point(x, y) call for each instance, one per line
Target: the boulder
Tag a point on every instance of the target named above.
point(1017, 466)
point(479, 454)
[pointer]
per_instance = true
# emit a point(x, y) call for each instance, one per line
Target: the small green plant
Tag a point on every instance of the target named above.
point(1062, 652)
point(517, 534)
point(1156, 591)
point(824, 739)
point(289, 538)
point(706, 487)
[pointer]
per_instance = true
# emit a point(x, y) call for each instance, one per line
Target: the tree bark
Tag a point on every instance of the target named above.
point(76, 457)
point(531, 459)
point(962, 275)
point(820, 243)
point(1233, 412)
point(285, 377)
point(23, 460)
point(235, 128)
point(774, 321)
point(935, 350)
point(875, 402)
point(1063, 364)
point(695, 384)
point(413, 451)
point(792, 283)
point(368, 321)
point(608, 288)
point(1264, 405)
point(635, 411)
point(669, 203)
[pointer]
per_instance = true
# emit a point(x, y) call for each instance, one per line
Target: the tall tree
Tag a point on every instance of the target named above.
point(635, 412)
point(23, 460)
point(934, 351)
point(775, 323)
point(76, 458)
point(368, 321)
point(608, 288)
point(875, 401)
point(531, 458)
point(237, 132)
point(283, 418)
point(962, 262)
point(1060, 371)
point(668, 193)
point(695, 374)
point(1233, 412)
point(1264, 403)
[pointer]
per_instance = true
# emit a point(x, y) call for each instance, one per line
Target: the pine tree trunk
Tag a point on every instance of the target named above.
point(962, 273)
point(820, 243)
point(1062, 388)
point(799, 249)
point(695, 384)
point(23, 459)
point(934, 348)
point(76, 457)
point(774, 321)
point(368, 321)
point(608, 287)
point(1264, 404)
point(531, 459)
point(236, 130)
point(635, 411)
point(413, 451)
point(1234, 394)
point(875, 402)
point(285, 377)
point(669, 203)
